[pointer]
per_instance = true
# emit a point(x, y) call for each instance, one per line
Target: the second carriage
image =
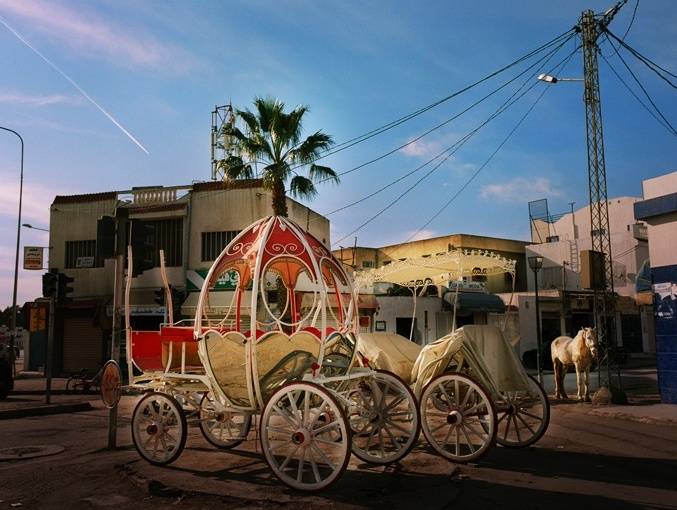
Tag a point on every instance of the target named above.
point(472, 388)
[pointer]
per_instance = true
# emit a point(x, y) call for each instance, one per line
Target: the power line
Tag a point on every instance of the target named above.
point(477, 172)
point(634, 76)
point(386, 127)
point(457, 145)
point(651, 112)
point(547, 57)
point(632, 20)
point(645, 60)
point(408, 190)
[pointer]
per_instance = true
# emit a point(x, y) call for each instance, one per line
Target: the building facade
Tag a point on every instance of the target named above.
point(659, 211)
point(478, 302)
point(564, 305)
point(192, 224)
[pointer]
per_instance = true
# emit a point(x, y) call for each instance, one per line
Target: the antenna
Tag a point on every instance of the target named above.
point(221, 144)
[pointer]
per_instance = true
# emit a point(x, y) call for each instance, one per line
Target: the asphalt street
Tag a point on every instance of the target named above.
point(584, 461)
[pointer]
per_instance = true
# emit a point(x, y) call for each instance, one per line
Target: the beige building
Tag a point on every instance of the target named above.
point(192, 224)
point(477, 304)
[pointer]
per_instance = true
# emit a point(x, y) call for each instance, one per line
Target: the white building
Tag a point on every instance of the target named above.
point(564, 306)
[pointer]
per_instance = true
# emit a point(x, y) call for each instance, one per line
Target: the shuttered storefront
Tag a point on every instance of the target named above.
point(82, 344)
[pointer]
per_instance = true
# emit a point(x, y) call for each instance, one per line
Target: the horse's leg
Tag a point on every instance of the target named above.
point(578, 381)
point(556, 365)
point(586, 375)
point(562, 375)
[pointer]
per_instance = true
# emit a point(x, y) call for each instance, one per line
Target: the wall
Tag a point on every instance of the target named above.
point(391, 307)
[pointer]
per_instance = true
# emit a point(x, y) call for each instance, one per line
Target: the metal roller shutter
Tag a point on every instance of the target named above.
point(81, 345)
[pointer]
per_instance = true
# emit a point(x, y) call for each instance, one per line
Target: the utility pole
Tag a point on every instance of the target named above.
point(591, 26)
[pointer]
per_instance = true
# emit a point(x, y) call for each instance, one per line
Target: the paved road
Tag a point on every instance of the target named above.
point(584, 461)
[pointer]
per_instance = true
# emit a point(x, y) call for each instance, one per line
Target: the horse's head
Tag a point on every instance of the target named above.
point(590, 338)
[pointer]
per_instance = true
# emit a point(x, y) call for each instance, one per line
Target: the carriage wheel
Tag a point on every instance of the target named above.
point(223, 428)
point(458, 417)
point(385, 419)
point(159, 428)
point(526, 417)
point(305, 436)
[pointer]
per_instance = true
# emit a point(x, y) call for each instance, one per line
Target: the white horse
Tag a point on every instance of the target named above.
point(578, 351)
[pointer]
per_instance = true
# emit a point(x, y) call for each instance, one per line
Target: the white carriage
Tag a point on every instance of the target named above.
point(471, 386)
point(283, 349)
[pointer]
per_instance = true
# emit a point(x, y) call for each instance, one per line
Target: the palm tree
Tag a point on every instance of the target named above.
point(273, 140)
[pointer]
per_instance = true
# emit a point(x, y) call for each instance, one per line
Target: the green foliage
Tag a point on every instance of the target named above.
point(272, 140)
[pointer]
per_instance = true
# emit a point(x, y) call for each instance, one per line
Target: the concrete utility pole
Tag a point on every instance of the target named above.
point(591, 26)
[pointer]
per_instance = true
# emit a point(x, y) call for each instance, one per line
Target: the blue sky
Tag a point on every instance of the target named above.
point(160, 67)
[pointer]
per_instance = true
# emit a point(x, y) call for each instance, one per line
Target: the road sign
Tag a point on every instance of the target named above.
point(33, 258)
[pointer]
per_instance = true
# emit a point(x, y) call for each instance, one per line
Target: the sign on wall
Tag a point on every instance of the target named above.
point(33, 258)
point(195, 279)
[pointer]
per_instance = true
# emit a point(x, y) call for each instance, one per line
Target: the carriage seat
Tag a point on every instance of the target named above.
point(389, 351)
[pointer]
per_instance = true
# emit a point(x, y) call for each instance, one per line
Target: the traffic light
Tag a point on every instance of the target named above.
point(105, 237)
point(50, 283)
point(63, 290)
point(160, 297)
point(141, 240)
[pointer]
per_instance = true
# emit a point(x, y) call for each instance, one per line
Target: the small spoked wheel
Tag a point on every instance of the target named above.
point(305, 436)
point(523, 416)
point(458, 417)
point(223, 428)
point(159, 428)
point(384, 418)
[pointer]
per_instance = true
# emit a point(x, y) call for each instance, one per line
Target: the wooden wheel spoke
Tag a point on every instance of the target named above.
point(465, 435)
point(533, 432)
point(517, 429)
point(299, 472)
point(535, 417)
point(329, 426)
point(323, 456)
point(289, 457)
point(401, 429)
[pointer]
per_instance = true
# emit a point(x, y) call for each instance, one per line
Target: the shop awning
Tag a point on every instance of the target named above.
point(219, 302)
point(471, 302)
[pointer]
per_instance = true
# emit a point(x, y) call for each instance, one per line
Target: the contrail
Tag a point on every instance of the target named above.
point(72, 82)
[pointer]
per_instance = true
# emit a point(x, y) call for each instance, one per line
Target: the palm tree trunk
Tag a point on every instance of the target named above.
point(279, 198)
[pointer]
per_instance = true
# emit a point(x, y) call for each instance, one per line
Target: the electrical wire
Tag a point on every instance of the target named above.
point(386, 127)
point(488, 160)
point(547, 57)
point(645, 60)
point(651, 112)
point(632, 20)
point(457, 145)
point(408, 190)
point(634, 76)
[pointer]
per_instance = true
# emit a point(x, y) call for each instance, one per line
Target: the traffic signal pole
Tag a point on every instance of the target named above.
point(50, 351)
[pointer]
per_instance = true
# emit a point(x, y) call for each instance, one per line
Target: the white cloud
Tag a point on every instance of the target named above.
point(37, 100)
point(88, 34)
point(422, 149)
point(520, 189)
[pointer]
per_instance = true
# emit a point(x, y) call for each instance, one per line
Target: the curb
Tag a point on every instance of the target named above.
point(46, 409)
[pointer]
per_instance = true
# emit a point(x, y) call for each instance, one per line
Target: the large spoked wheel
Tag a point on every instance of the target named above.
point(458, 417)
point(523, 416)
point(305, 436)
point(384, 418)
point(159, 428)
point(223, 428)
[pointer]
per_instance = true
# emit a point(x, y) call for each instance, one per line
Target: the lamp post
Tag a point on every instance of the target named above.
point(536, 263)
point(16, 259)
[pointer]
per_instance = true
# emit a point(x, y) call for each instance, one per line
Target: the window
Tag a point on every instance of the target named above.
point(213, 243)
point(479, 278)
point(81, 254)
point(367, 263)
point(168, 236)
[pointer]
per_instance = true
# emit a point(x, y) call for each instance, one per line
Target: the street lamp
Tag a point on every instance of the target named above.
point(548, 78)
point(16, 259)
point(28, 225)
point(536, 263)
